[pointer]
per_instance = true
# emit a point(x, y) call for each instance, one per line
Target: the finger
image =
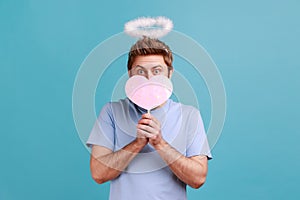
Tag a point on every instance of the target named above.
point(147, 128)
point(138, 135)
point(151, 117)
point(147, 116)
point(144, 121)
point(153, 122)
point(153, 138)
point(150, 123)
point(142, 133)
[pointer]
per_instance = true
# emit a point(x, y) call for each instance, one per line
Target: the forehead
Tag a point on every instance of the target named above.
point(149, 60)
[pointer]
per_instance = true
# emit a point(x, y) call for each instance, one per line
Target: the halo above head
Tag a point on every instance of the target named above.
point(149, 27)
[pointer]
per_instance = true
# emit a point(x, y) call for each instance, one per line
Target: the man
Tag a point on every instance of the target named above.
point(149, 156)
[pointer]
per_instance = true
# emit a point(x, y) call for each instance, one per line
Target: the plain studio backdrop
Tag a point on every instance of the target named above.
point(255, 45)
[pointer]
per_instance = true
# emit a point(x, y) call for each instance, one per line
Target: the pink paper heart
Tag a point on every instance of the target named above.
point(148, 94)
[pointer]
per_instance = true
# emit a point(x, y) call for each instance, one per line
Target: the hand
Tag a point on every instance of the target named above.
point(149, 127)
point(141, 139)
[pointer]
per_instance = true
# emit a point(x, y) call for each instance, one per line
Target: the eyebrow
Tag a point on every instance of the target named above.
point(139, 66)
point(151, 67)
point(157, 66)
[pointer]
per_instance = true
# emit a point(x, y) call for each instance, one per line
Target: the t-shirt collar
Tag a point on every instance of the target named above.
point(163, 108)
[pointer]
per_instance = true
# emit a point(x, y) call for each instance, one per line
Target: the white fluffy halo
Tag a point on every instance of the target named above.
point(148, 26)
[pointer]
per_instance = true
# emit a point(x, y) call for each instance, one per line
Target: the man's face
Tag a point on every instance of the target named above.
point(150, 65)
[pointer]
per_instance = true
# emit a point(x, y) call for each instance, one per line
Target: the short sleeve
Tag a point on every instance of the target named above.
point(103, 131)
point(197, 139)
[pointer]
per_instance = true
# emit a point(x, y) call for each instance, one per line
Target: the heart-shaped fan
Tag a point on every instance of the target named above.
point(148, 94)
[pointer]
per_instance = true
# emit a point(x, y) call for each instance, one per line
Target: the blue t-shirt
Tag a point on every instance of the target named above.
point(148, 176)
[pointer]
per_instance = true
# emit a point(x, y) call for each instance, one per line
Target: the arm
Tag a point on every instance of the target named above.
point(191, 170)
point(106, 165)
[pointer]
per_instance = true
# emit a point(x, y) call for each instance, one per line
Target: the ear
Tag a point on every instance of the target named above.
point(170, 73)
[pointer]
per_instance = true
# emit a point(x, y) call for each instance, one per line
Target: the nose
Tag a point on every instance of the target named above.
point(149, 75)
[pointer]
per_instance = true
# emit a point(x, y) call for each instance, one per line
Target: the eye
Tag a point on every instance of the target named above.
point(141, 72)
point(156, 71)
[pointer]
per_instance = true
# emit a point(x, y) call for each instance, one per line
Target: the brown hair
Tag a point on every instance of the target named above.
point(150, 46)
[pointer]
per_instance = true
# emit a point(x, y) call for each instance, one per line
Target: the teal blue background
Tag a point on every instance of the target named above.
point(255, 45)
